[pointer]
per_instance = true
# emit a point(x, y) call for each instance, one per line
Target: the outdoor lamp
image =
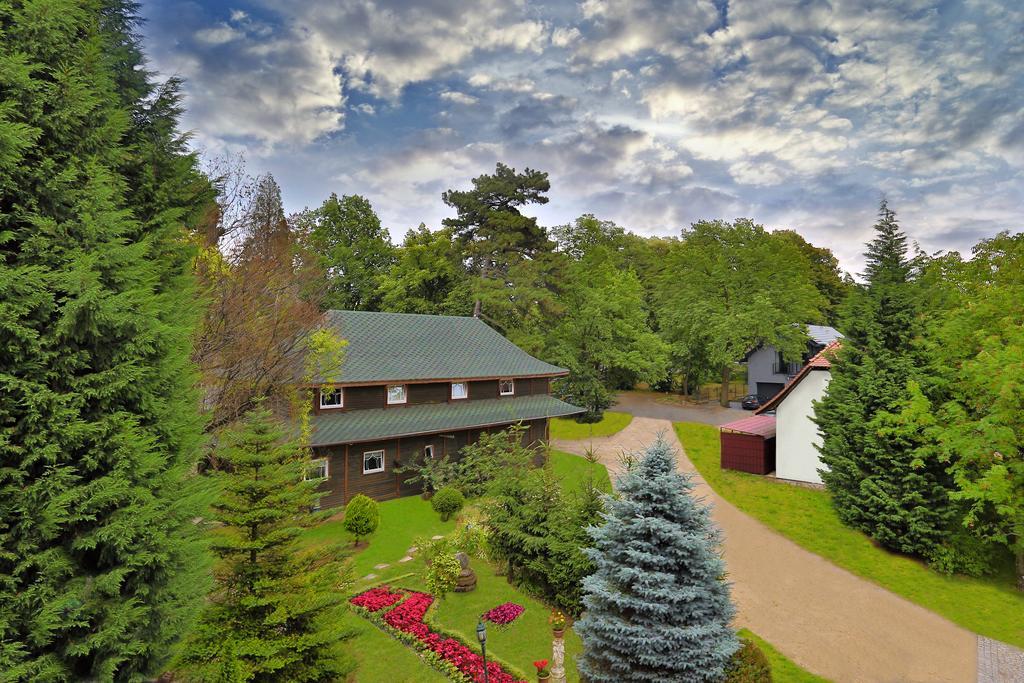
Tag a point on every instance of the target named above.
point(481, 635)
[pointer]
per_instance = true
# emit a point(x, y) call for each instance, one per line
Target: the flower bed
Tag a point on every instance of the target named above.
point(504, 614)
point(406, 621)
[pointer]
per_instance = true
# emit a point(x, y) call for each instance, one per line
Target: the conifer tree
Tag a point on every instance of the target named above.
point(871, 430)
point(101, 564)
point(657, 606)
point(274, 612)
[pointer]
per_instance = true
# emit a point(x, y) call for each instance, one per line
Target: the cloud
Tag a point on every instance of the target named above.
point(458, 97)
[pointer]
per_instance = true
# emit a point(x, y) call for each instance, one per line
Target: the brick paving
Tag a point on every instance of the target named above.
point(999, 662)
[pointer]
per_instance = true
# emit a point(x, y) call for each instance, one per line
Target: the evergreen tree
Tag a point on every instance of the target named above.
point(657, 607)
point(871, 428)
point(274, 615)
point(101, 565)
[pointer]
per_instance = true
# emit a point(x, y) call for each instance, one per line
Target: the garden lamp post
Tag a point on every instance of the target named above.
point(481, 635)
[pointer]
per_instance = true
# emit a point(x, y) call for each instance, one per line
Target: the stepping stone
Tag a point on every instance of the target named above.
point(436, 538)
point(382, 565)
point(369, 577)
point(406, 558)
point(412, 550)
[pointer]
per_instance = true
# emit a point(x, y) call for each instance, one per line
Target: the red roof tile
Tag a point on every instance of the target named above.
point(821, 361)
point(758, 425)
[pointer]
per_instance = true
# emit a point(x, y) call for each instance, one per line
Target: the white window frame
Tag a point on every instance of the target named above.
point(312, 465)
point(331, 406)
point(428, 451)
point(465, 391)
point(382, 455)
point(507, 393)
point(405, 394)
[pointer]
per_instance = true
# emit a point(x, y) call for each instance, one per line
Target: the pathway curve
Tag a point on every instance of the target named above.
point(826, 619)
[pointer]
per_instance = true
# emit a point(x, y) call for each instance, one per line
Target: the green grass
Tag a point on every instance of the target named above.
point(573, 470)
point(784, 670)
point(989, 606)
point(571, 430)
point(382, 658)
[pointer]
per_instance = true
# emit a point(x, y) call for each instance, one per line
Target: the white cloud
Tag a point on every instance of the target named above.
point(458, 97)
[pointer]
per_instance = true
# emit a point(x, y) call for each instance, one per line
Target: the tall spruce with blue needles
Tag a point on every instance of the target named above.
point(657, 606)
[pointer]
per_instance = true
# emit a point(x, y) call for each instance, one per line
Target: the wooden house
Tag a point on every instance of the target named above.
point(420, 386)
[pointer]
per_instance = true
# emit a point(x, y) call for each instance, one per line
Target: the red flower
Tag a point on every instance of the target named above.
point(540, 665)
point(376, 599)
point(504, 614)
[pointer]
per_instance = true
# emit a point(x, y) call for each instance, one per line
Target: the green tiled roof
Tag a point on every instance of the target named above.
point(381, 423)
point(392, 347)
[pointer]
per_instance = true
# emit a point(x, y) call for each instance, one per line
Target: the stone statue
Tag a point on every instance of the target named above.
point(467, 579)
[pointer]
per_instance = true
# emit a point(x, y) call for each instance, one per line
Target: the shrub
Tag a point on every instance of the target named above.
point(748, 665)
point(442, 575)
point(447, 502)
point(361, 517)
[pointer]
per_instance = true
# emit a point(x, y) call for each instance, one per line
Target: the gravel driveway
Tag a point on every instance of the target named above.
point(824, 618)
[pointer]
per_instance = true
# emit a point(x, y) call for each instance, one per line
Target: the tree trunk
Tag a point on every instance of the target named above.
point(1020, 569)
point(726, 374)
point(476, 308)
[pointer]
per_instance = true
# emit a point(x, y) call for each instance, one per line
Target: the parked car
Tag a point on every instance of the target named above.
point(750, 402)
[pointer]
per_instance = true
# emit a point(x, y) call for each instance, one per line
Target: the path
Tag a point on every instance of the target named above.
point(664, 407)
point(824, 618)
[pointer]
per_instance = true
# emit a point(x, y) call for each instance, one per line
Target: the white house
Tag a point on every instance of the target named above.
point(796, 435)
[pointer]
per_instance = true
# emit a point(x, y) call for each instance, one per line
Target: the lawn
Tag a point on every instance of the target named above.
point(571, 430)
point(382, 658)
point(573, 470)
point(784, 670)
point(989, 606)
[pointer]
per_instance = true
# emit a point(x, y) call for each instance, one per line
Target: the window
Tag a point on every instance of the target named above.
point(428, 451)
point(331, 398)
point(460, 390)
point(506, 387)
point(373, 461)
point(317, 469)
point(396, 394)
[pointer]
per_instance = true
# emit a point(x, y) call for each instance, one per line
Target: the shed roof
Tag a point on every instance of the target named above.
point(758, 425)
point(821, 361)
point(397, 347)
point(388, 423)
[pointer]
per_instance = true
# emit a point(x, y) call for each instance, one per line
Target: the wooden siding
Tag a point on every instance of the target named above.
point(364, 397)
point(342, 485)
point(747, 453)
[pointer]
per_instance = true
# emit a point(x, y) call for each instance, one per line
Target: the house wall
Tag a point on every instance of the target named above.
point(761, 368)
point(797, 435)
point(345, 476)
point(374, 396)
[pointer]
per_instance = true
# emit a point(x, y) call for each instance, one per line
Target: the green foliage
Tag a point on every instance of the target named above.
point(427, 277)
point(432, 473)
point(657, 605)
point(442, 575)
point(826, 276)
point(361, 517)
point(275, 613)
point(447, 502)
point(102, 566)
point(493, 456)
point(874, 419)
point(726, 288)
point(748, 665)
point(353, 250)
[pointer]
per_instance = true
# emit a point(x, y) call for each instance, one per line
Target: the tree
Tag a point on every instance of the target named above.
point(727, 288)
point(603, 337)
point(102, 567)
point(976, 349)
point(826, 276)
point(275, 613)
point(262, 290)
point(352, 248)
point(588, 233)
point(657, 605)
point(508, 254)
point(428, 276)
point(362, 516)
point(871, 423)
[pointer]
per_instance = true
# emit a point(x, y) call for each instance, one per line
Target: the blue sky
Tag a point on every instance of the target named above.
point(652, 113)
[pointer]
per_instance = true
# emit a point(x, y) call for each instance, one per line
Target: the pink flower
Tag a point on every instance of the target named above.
point(504, 614)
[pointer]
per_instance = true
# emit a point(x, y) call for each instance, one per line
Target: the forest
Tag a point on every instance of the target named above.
point(155, 302)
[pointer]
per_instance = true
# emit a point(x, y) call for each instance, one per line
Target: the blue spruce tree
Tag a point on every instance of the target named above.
point(657, 606)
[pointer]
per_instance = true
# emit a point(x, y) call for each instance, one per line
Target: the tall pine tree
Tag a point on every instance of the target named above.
point(274, 613)
point(101, 565)
point(871, 428)
point(657, 607)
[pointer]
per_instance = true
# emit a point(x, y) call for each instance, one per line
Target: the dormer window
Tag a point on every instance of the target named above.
point(331, 397)
point(460, 390)
point(397, 394)
point(506, 387)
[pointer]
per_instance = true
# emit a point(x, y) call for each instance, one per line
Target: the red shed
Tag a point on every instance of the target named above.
point(748, 445)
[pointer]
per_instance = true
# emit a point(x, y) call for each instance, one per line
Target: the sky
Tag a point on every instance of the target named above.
point(654, 114)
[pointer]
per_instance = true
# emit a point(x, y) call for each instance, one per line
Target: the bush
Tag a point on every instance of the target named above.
point(447, 502)
point(961, 552)
point(361, 517)
point(443, 575)
point(748, 665)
